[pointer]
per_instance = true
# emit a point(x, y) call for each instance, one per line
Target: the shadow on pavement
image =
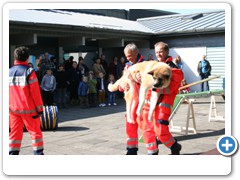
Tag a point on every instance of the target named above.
point(75, 112)
point(72, 128)
point(201, 135)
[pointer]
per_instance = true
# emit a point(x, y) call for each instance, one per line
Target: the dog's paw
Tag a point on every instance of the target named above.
point(139, 112)
point(129, 120)
point(150, 119)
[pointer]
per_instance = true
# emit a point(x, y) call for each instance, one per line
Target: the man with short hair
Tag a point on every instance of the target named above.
point(132, 55)
point(204, 70)
point(25, 104)
point(165, 102)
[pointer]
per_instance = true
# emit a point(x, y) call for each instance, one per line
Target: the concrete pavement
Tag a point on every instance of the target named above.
point(101, 131)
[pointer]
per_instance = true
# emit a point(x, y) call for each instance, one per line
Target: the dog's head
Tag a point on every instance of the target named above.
point(161, 73)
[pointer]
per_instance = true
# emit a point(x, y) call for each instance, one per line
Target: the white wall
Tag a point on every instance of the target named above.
point(190, 58)
point(75, 56)
point(88, 59)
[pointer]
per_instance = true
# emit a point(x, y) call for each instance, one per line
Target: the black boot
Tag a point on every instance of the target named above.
point(176, 148)
point(38, 152)
point(132, 151)
point(158, 141)
point(156, 153)
point(13, 152)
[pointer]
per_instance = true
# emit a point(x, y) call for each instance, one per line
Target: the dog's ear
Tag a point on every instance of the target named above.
point(151, 73)
point(152, 70)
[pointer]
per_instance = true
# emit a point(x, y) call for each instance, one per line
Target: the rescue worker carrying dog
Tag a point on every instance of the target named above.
point(25, 104)
point(163, 108)
point(132, 54)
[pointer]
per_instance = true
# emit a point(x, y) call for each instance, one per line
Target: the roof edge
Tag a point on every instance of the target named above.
point(177, 15)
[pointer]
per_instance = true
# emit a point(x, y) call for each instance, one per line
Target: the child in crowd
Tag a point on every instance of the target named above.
point(92, 83)
point(101, 86)
point(111, 95)
point(48, 86)
point(83, 91)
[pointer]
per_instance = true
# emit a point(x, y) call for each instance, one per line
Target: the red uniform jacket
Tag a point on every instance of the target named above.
point(24, 91)
point(167, 95)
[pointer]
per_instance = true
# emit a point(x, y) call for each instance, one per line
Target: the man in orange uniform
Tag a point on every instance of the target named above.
point(25, 104)
point(132, 54)
point(159, 126)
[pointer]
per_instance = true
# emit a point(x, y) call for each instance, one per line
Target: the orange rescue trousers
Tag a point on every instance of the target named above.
point(16, 123)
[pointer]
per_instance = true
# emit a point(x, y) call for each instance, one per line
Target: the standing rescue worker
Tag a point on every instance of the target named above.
point(25, 104)
point(163, 108)
point(132, 54)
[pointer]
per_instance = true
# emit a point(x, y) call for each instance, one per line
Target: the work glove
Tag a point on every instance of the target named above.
point(39, 114)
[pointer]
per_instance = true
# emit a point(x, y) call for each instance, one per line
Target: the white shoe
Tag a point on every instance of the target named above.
point(109, 104)
point(114, 104)
point(100, 105)
point(103, 105)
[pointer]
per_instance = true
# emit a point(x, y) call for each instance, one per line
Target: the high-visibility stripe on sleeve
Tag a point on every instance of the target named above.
point(39, 107)
point(23, 111)
point(32, 81)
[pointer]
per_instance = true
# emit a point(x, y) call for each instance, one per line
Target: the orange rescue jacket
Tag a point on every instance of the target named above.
point(24, 91)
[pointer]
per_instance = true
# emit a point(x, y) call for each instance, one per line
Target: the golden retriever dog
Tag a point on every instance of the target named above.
point(153, 74)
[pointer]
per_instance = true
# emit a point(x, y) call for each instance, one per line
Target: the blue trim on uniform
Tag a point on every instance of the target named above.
point(20, 70)
point(163, 122)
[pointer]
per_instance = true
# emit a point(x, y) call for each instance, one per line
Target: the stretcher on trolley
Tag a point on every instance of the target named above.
point(49, 118)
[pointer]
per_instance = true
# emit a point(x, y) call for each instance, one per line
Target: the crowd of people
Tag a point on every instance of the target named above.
point(76, 83)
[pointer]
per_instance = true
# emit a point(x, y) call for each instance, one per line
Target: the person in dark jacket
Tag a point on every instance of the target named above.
point(39, 73)
point(68, 63)
point(62, 83)
point(105, 65)
point(115, 68)
point(204, 70)
point(75, 77)
point(82, 67)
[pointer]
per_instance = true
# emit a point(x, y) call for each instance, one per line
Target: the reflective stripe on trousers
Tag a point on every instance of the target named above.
point(132, 142)
point(152, 148)
point(16, 123)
